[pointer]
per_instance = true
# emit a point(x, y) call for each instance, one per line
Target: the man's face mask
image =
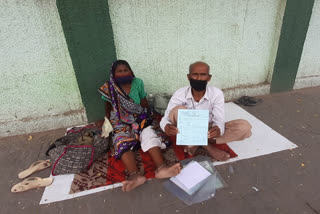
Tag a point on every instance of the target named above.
point(198, 85)
point(124, 79)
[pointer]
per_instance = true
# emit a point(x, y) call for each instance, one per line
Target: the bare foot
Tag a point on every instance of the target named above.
point(133, 183)
point(217, 153)
point(168, 172)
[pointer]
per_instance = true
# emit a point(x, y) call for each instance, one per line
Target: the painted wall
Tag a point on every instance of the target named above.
point(38, 89)
point(87, 28)
point(309, 68)
point(161, 38)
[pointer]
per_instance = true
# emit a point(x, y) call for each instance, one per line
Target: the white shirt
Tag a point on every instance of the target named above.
point(213, 100)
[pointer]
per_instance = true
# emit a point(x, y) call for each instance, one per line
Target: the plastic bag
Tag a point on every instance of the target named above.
point(206, 191)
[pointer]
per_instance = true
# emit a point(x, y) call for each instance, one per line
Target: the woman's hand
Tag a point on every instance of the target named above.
point(144, 103)
point(108, 108)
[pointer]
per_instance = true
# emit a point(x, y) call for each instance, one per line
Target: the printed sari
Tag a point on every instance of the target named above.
point(128, 119)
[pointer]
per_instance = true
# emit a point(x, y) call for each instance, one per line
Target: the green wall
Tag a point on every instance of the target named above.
point(293, 34)
point(88, 31)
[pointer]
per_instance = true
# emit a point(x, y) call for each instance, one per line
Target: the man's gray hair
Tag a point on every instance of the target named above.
point(196, 63)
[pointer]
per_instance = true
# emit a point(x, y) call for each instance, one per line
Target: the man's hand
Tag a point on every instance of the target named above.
point(214, 132)
point(171, 130)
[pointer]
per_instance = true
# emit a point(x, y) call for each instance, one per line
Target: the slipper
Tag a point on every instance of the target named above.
point(35, 167)
point(31, 183)
point(248, 101)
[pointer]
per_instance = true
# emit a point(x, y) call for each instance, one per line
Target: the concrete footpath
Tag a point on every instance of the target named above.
point(287, 181)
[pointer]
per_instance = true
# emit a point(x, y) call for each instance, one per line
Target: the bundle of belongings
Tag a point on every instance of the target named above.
point(76, 151)
point(73, 153)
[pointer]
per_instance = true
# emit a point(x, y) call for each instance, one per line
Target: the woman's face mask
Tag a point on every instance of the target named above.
point(123, 75)
point(124, 79)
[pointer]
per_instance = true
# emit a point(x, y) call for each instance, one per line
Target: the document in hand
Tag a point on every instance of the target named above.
point(193, 127)
point(191, 177)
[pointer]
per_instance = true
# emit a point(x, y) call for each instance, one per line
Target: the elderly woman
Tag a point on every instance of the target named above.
point(127, 109)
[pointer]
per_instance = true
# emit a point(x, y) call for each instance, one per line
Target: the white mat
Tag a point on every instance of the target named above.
point(264, 140)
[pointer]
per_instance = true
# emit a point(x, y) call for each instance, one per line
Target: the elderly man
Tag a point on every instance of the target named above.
point(202, 97)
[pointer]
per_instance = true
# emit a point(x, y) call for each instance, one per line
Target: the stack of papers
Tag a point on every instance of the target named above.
point(191, 177)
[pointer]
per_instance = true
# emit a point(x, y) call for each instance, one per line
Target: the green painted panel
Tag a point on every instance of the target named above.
point(293, 33)
point(88, 31)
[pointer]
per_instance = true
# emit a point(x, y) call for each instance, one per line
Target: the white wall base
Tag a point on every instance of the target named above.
point(306, 82)
point(38, 124)
point(251, 90)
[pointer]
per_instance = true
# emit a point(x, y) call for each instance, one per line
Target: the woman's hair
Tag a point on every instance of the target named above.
point(116, 63)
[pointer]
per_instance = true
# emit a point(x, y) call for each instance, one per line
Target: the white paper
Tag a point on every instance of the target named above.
point(193, 127)
point(192, 174)
point(179, 184)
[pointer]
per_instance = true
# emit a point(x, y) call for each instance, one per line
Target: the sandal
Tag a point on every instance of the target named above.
point(248, 101)
point(31, 183)
point(35, 167)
